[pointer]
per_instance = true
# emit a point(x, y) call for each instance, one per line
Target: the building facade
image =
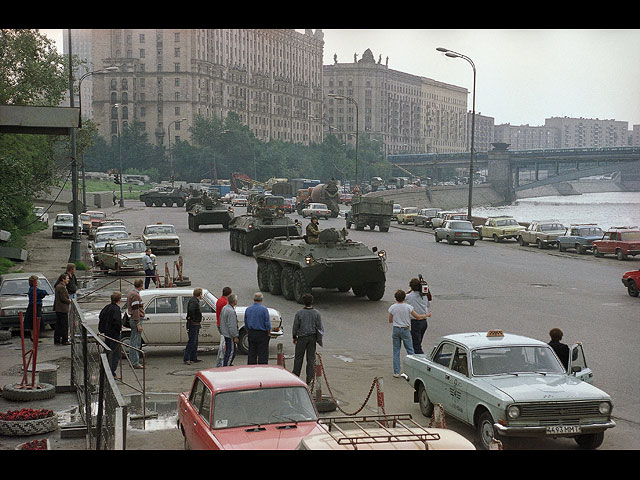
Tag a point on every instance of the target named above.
point(483, 132)
point(589, 132)
point(407, 113)
point(526, 137)
point(167, 77)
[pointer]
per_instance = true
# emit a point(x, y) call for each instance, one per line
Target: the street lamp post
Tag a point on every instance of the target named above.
point(170, 154)
point(452, 54)
point(74, 255)
point(343, 97)
point(118, 105)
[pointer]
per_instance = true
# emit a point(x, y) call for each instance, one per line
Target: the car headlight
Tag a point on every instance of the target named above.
point(513, 412)
point(148, 242)
point(604, 408)
point(176, 241)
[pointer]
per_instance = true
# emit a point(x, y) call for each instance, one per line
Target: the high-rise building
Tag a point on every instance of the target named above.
point(527, 137)
point(407, 113)
point(589, 132)
point(271, 78)
point(484, 132)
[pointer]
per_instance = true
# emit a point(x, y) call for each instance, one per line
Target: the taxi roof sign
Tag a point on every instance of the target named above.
point(495, 333)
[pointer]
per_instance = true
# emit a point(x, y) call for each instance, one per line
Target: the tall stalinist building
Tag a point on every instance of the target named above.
point(271, 78)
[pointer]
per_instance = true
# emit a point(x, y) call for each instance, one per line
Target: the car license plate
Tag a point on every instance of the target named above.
point(563, 429)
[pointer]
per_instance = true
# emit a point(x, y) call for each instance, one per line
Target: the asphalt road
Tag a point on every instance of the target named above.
point(521, 290)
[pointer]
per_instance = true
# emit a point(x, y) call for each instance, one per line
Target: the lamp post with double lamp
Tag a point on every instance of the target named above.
point(452, 54)
point(118, 105)
point(173, 176)
point(343, 97)
point(104, 70)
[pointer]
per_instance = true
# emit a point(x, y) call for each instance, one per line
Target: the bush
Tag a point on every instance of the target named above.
point(80, 265)
point(5, 265)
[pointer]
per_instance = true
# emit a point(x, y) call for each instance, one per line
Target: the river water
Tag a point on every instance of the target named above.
point(606, 209)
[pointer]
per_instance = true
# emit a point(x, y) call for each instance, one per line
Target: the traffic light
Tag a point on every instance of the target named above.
point(116, 179)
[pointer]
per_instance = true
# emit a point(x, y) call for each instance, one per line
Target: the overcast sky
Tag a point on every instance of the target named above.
point(523, 76)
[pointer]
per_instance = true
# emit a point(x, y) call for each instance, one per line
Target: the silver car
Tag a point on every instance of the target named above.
point(457, 231)
point(161, 237)
point(14, 288)
point(122, 256)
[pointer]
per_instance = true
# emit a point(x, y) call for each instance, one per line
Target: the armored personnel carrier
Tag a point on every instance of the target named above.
point(245, 231)
point(208, 210)
point(163, 196)
point(292, 267)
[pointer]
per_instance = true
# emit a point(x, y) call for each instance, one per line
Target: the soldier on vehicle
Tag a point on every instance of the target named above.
point(313, 231)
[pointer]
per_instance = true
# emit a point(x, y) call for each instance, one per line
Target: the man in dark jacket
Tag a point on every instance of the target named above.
point(561, 349)
point(194, 317)
point(307, 331)
point(110, 326)
point(61, 307)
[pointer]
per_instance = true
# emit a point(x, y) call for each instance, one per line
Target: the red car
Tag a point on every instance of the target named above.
point(631, 280)
point(248, 407)
point(620, 241)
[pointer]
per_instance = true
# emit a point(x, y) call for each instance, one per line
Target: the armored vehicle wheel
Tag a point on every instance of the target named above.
point(179, 202)
point(157, 203)
point(263, 276)
point(232, 238)
point(225, 225)
point(248, 249)
point(274, 280)
point(168, 203)
point(286, 282)
point(244, 244)
point(300, 286)
point(375, 291)
point(359, 290)
point(384, 229)
point(148, 202)
point(196, 226)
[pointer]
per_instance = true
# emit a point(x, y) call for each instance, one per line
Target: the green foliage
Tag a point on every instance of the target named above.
point(5, 265)
point(80, 265)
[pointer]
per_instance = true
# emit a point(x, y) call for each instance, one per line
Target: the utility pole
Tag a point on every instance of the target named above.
point(74, 256)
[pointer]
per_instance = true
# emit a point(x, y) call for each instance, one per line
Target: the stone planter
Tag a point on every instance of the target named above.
point(47, 445)
point(28, 427)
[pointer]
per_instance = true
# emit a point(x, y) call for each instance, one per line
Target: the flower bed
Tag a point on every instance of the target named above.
point(27, 421)
point(34, 445)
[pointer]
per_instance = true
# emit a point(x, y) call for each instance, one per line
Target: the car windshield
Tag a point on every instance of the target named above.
point(64, 218)
point(506, 222)
point(262, 406)
point(410, 210)
point(515, 359)
point(21, 286)
point(587, 232)
point(630, 236)
point(130, 247)
point(38, 210)
point(319, 206)
point(551, 227)
point(160, 230)
point(461, 225)
point(115, 235)
point(84, 217)
point(98, 215)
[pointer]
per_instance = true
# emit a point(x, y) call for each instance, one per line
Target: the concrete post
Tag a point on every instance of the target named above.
point(500, 172)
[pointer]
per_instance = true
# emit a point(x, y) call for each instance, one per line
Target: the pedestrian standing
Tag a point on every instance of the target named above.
point(420, 301)
point(194, 319)
point(561, 349)
point(400, 314)
point(61, 307)
point(114, 197)
point(110, 325)
point(220, 303)
point(229, 329)
point(135, 310)
point(256, 319)
point(72, 285)
point(39, 294)
point(307, 331)
point(149, 269)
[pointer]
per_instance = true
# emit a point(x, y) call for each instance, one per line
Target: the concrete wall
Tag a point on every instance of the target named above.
point(94, 199)
point(442, 196)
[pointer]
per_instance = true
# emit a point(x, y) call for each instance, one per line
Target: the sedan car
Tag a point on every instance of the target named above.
point(580, 237)
point(41, 214)
point(620, 241)
point(62, 225)
point(317, 209)
point(509, 385)
point(457, 231)
point(407, 214)
point(424, 216)
point(631, 280)
point(239, 201)
point(248, 407)
point(122, 256)
point(161, 237)
point(166, 319)
point(14, 289)
point(100, 241)
point(442, 216)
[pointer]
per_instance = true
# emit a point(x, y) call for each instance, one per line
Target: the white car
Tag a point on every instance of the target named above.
point(41, 214)
point(166, 318)
point(239, 201)
point(317, 209)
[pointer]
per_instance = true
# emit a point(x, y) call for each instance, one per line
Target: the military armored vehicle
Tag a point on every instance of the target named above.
point(371, 211)
point(208, 210)
point(245, 231)
point(292, 267)
point(163, 196)
point(192, 199)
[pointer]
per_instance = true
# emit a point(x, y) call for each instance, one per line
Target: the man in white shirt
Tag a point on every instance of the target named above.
point(400, 314)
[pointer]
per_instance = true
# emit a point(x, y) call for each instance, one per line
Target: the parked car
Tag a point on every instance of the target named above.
point(620, 241)
point(544, 233)
point(631, 280)
point(97, 217)
point(166, 319)
point(112, 223)
point(14, 289)
point(317, 209)
point(457, 231)
point(346, 198)
point(499, 228)
point(424, 216)
point(246, 407)
point(441, 217)
point(122, 256)
point(62, 225)
point(100, 240)
point(289, 205)
point(396, 210)
point(406, 215)
point(41, 214)
point(580, 237)
point(239, 201)
point(509, 385)
point(161, 237)
point(85, 220)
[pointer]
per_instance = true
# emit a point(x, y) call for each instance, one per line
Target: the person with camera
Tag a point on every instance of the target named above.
point(419, 297)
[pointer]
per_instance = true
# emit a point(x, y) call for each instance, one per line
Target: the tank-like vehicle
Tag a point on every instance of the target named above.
point(164, 196)
point(192, 199)
point(326, 193)
point(245, 231)
point(209, 211)
point(370, 211)
point(292, 267)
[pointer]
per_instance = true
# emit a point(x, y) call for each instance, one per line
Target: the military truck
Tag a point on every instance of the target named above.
point(371, 211)
point(292, 267)
point(164, 196)
point(259, 201)
point(208, 210)
point(245, 231)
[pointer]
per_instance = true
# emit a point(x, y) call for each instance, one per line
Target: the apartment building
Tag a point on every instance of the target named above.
point(407, 113)
point(484, 132)
point(589, 132)
point(272, 78)
point(526, 137)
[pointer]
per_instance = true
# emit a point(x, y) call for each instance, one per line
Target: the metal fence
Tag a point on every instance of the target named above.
point(102, 406)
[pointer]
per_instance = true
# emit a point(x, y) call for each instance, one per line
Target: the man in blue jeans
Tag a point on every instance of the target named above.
point(400, 314)
point(256, 319)
point(194, 318)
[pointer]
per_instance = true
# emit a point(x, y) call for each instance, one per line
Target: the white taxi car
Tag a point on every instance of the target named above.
point(317, 209)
